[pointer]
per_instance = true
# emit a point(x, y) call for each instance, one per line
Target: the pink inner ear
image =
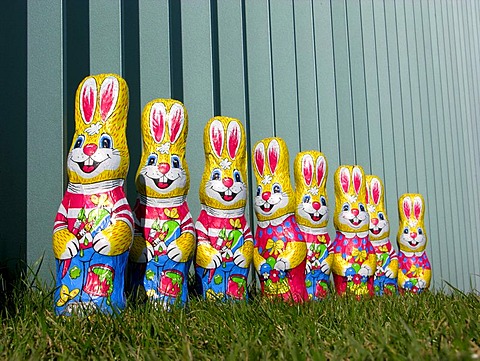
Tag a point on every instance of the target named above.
point(357, 180)
point(175, 122)
point(407, 207)
point(108, 97)
point(321, 166)
point(273, 155)
point(307, 169)
point(417, 207)
point(376, 191)
point(157, 121)
point(216, 137)
point(88, 98)
point(233, 139)
point(345, 179)
point(260, 158)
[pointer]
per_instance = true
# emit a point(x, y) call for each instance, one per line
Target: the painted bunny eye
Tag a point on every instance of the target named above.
point(236, 176)
point(323, 201)
point(276, 188)
point(152, 159)
point(420, 231)
point(106, 141)
point(405, 230)
point(306, 199)
point(259, 191)
point(362, 207)
point(216, 174)
point(346, 207)
point(79, 141)
point(381, 216)
point(175, 161)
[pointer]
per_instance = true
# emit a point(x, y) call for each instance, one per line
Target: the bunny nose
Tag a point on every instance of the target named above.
point(355, 212)
point(316, 205)
point(413, 235)
point(164, 167)
point(266, 196)
point(227, 182)
point(374, 221)
point(90, 149)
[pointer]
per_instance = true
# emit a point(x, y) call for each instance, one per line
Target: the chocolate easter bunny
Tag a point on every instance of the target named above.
point(225, 245)
point(310, 169)
point(385, 278)
point(280, 249)
point(354, 261)
point(93, 227)
point(164, 240)
point(415, 271)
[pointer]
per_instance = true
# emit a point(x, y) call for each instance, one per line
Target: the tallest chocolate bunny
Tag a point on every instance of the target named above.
point(93, 228)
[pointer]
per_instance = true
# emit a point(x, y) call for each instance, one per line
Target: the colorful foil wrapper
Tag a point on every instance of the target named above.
point(164, 240)
point(311, 214)
point(414, 267)
point(93, 227)
point(385, 279)
point(225, 245)
point(280, 248)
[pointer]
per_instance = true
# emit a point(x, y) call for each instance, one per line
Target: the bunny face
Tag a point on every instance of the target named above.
point(411, 235)
point(224, 181)
point(379, 226)
point(274, 196)
point(99, 149)
point(310, 169)
point(350, 194)
point(163, 170)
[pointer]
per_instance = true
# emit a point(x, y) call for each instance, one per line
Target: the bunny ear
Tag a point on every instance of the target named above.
point(108, 97)
point(234, 136)
point(357, 180)
point(158, 115)
point(417, 207)
point(273, 155)
point(88, 99)
point(216, 137)
point(307, 169)
point(367, 196)
point(407, 207)
point(176, 121)
point(376, 191)
point(260, 158)
point(321, 167)
point(345, 179)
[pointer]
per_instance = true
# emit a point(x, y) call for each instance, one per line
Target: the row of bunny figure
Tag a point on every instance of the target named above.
point(99, 242)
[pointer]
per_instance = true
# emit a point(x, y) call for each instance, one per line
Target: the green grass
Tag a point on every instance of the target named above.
point(429, 326)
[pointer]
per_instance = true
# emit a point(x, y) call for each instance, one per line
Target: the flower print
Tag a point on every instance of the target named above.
point(275, 247)
point(274, 276)
point(359, 254)
point(357, 279)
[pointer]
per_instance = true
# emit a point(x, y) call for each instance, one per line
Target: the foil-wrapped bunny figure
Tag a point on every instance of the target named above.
point(414, 269)
point(93, 227)
point(385, 279)
point(225, 245)
point(164, 239)
point(280, 248)
point(310, 169)
point(354, 261)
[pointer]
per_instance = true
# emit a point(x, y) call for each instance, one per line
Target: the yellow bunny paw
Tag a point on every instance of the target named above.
point(181, 250)
point(294, 254)
point(207, 256)
point(243, 255)
point(114, 240)
point(65, 244)
point(138, 251)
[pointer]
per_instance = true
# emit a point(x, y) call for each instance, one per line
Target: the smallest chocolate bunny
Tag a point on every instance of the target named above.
point(415, 271)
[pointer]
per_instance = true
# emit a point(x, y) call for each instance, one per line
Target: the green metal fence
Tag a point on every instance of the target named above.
point(390, 85)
